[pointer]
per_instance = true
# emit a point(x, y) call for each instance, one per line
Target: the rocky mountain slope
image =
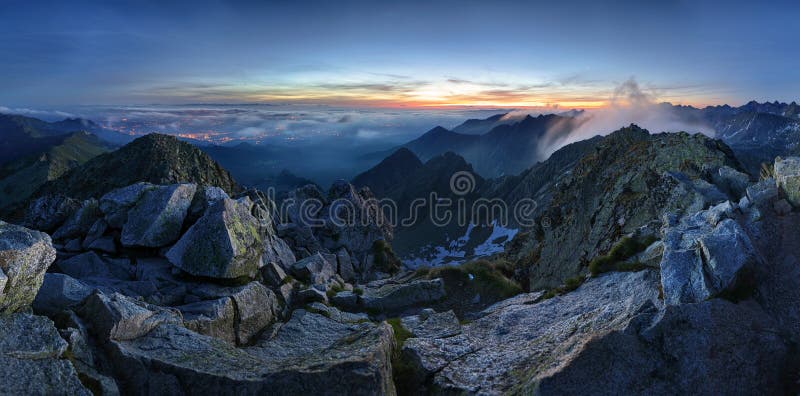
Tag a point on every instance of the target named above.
point(153, 158)
point(622, 188)
point(20, 178)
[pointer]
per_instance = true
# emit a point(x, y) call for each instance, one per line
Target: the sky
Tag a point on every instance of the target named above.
point(411, 54)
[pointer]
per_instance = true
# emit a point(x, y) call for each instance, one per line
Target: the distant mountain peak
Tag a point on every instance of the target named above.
point(154, 158)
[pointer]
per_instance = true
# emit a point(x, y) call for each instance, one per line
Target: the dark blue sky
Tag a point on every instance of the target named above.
point(481, 53)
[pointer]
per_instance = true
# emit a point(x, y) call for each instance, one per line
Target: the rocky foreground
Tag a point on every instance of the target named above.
point(184, 289)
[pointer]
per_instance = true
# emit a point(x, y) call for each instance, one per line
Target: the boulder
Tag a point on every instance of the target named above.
point(117, 317)
point(315, 270)
point(25, 255)
point(273, 274)
point(709, 348)
point(204, 198)
point(89, 265)
point(256, 308)
point(731, 181)
point(728, 256)
point(236, 318)
point(104, 244)
point(398, 296)
point(511, 345)
point(432, 325)
point(225, 243)
point(48, 212)
point(310, 354)
point(763, 192)
point(215, 318)
point(79, 224)
point(32, 360)
point(95, 231)
point(345, 268)
point(60, 292)
point(704, 257)
point(787, 176)
point(116, 203)
point(157, 218)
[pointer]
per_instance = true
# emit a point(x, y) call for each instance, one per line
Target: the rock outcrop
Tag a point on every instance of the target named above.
point(787, 175)
point(25, 255)
point(224, 243)
point(157, 218)
point(32, 358)
point(310, 353)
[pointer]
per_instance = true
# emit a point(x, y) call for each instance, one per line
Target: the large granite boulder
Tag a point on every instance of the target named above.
point(310, 354)
point(762, 193)
point(60, 292)
point(32, 358)
point(705, 254)
point(80, 222)
point(315, 269)
point(116, 203)
point(117, 317)
point(709, 348)
point(510, 344)
point(398, 296)
point(236, 318)
point(731, 181)
point(157, 218)
point(225, 243)
point(25, 255)
point(787, 176)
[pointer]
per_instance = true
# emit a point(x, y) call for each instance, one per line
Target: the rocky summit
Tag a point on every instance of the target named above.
point(657, 266)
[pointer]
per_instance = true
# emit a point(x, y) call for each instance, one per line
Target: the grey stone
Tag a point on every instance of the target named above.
point(224, 243)
point(50, 211)
point(433, 325)
point(273, 274)
point(703, 260)
point(31, 358)
point(215, 318)
point(345, 300)
point(731, 181)
point(95, 231)
point(60, 292)
point(311, 294)
point(80, 222)
point(25, 255)
point(509, 347)
point(104, 244)
point(763, 192)
point(688, 349)
point(157, 218)
point(117, 317)
point(345, 269)
point(787, 176)
point(257, 307)
point(309, 354)
point(204, 198)
point(116, 203)
point(397, 296)
point(314, 269)
point(90, 265)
